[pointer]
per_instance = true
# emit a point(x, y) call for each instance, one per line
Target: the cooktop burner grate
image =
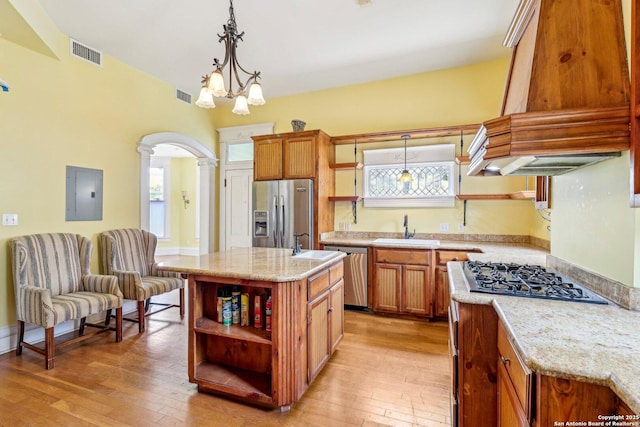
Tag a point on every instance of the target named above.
point(529, 281)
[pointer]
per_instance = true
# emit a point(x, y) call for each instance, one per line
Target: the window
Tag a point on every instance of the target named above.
point(158, 194)
point(240, 152)
point(432, 170)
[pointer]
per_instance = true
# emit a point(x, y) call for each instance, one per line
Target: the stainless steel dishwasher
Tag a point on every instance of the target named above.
point(355, 276)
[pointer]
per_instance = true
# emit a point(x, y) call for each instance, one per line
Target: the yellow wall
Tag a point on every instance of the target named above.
point(462, 95)
point(69, 112)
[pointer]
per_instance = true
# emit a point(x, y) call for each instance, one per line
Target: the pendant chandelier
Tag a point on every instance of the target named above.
point(214, 84)
point(406, 176)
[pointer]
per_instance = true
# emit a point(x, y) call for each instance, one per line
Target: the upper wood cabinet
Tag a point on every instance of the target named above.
point(267, 158)
point(300, 155)
point(289, 156)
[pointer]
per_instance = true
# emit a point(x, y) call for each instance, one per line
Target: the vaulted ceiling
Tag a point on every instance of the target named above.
point(298, 45)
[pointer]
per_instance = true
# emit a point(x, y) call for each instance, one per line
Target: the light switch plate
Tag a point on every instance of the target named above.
point(9, 220)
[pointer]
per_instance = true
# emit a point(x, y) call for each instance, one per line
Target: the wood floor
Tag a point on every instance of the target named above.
point(385, 372)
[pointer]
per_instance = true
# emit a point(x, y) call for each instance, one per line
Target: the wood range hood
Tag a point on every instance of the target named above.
point(566, 101)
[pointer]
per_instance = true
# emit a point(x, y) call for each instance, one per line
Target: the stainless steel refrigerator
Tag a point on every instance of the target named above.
point(280, 210)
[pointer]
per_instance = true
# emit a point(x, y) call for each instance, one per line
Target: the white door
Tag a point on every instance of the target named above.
point(237, 192)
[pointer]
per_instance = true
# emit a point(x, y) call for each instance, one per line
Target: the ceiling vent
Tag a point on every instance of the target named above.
point(85, 53)
point(183, 96)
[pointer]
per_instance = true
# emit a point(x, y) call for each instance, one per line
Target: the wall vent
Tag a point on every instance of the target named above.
point(85, 53)
point(183, 96)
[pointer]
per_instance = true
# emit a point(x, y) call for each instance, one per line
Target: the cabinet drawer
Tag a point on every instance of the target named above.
point(443, 257)
point(518, 373)
point(318, 284)
point(395, 256)
point(336, 272)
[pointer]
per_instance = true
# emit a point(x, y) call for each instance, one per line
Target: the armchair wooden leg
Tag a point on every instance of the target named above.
point(83, 322)
point(20, 337)
point(181, 303)
point(107, 318)
point(49, 349)
point(141, 312)
point(118, 324)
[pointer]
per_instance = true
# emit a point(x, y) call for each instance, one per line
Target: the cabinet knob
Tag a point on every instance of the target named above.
point(504, 360)
point(330, 310)
point(455, 259)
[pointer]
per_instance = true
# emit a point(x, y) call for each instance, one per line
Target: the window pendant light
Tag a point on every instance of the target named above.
point(406, 176)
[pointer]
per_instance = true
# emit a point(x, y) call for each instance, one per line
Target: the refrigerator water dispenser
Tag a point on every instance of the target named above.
point(260, 224)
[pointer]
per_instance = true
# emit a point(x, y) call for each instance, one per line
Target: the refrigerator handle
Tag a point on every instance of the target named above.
point(274, 227)
point(283, 220)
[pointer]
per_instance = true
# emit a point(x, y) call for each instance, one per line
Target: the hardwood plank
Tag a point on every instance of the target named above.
point(386, 371)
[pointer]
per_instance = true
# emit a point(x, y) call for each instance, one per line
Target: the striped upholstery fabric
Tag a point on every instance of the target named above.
point(129, 254)
point(52, 280)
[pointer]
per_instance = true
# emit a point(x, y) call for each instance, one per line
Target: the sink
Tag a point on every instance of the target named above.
point(316, 255)
point(409, 242)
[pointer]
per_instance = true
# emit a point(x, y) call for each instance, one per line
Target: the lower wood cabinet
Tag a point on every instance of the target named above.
point(515, 387)
point(325, 318)
point(402, 282)
point(441, 279)
point(493, 387)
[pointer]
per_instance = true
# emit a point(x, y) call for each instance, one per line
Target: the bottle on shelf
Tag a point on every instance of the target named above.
point(226, 307)
point(267, 314)
point(235, 305)
point(257, 312)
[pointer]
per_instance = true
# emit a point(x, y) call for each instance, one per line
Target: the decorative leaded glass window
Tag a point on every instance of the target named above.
point(432, 170)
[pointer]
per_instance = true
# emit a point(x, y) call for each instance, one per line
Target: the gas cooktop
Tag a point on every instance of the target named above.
point(530, 281)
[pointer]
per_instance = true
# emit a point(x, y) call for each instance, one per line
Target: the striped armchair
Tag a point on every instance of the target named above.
point(53, 284)
point(129, 254)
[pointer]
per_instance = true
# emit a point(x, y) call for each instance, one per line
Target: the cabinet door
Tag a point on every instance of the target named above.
point(416, 292)
point(386, 287)
point(267, 159)
point(442, 292)
point(299, 157)
point(336, 318)
point(510, 413)
point(319, 347)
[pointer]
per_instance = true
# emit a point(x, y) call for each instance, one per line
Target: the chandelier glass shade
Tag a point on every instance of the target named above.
point(405, 177)
point(249, 91)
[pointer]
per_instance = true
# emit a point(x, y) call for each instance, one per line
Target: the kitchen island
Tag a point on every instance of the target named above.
point(266, 366)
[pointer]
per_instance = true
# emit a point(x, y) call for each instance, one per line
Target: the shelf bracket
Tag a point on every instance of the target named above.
point(354, 211)
point(464, 214)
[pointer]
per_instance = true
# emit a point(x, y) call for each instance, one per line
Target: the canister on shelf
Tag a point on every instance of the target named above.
point(244, 310)
point(235, 305)
point(219, 304)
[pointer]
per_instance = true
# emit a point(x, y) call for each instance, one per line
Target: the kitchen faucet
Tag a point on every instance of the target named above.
point(297, 248)
point(408, 235)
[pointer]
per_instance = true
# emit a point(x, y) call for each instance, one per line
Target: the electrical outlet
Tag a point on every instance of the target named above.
point(9, 220)
point(461, 228)
point(444, 227)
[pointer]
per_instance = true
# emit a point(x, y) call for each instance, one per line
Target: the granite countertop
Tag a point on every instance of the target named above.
point(521, 253)
point(587, 342)
point(268, 264)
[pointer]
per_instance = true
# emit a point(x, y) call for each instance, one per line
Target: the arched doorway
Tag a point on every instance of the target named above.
point(207, 161)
